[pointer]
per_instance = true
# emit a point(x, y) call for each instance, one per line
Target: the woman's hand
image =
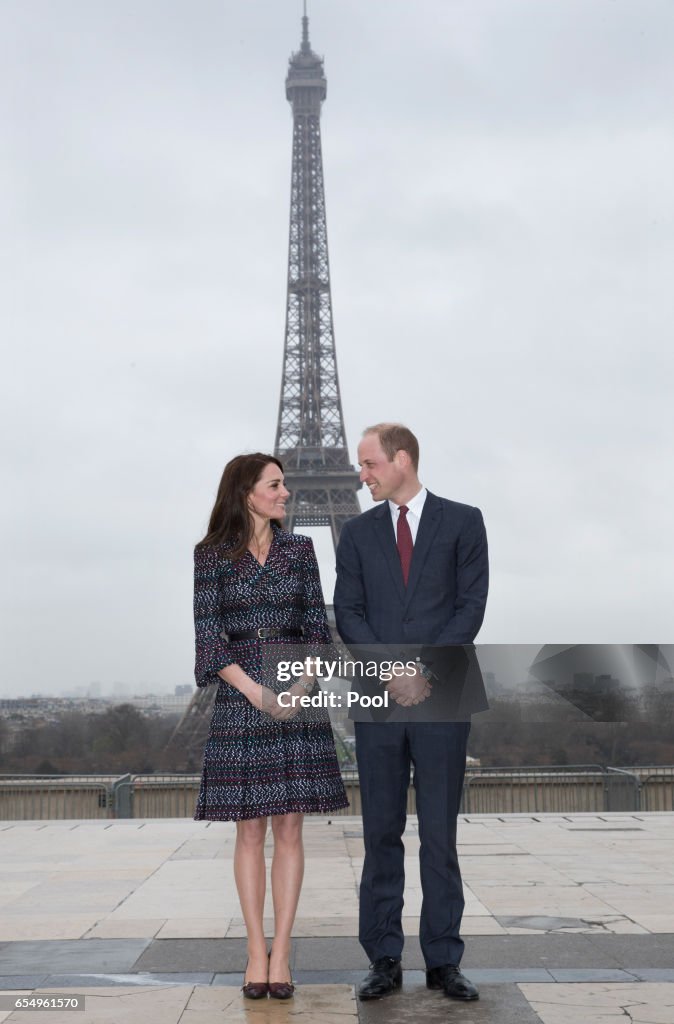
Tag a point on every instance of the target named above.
point(298, 690)
point(267, 702)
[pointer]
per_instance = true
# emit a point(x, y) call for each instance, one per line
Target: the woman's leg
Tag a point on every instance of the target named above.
point(287, 871)
point(250, 877)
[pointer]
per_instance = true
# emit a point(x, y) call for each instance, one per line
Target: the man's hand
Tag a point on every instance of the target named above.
point(409, 690)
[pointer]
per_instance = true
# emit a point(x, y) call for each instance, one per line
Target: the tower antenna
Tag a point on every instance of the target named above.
point(305, 30)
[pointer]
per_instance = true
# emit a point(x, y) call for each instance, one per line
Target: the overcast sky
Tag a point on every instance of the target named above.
point(500, 220)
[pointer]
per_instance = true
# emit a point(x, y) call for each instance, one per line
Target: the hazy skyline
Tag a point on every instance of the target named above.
point(498, 185)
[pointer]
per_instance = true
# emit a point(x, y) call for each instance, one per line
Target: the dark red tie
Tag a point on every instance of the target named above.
point(404, 541)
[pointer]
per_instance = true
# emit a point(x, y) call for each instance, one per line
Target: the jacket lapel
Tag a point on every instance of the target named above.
point(383, 527)
point(428, 527)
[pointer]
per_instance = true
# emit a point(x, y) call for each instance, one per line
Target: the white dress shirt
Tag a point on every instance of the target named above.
point(415, 507)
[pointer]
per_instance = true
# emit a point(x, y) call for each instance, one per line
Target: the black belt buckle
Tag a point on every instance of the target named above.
point(268, 632)
point(262, 633)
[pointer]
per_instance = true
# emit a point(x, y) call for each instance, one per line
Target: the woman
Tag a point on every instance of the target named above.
point(261, 759)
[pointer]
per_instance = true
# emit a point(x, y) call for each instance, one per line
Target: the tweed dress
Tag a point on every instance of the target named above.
point(253, 764)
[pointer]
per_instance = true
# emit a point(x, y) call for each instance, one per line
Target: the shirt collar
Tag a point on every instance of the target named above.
point(415, 505)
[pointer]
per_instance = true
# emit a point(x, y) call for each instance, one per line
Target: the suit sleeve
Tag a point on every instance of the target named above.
point(211, 650)
point(350, 593)
point(472, 583)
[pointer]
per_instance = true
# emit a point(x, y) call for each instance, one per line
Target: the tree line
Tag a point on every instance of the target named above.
point(615, 729)
point(122, 739)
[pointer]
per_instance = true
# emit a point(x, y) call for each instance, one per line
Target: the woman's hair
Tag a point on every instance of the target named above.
point(231, 523)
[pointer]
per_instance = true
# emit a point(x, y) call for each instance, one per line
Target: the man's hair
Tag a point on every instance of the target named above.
point(394, 437)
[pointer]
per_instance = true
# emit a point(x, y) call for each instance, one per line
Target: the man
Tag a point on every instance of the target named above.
point(411, 571)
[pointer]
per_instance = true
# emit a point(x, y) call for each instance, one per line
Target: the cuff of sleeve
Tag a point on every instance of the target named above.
point(209, 674)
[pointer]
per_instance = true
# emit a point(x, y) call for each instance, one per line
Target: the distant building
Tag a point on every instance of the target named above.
point(161, 704)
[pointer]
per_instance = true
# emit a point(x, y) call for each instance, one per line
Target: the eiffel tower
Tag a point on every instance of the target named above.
point(310, 434)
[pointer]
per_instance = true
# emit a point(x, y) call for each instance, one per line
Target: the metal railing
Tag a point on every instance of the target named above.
point(623, 790)
point(549, 789)
point(156, 796)
point(559, 789)
point(657, 788)
point(55, 797)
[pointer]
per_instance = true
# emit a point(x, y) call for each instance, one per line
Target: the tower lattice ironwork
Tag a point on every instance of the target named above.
point(310, 435)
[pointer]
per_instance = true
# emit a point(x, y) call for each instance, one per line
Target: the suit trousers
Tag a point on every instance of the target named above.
point(385, 752)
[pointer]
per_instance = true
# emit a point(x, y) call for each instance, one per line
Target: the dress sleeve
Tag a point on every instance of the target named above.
point(315, 624)
point(211, 650)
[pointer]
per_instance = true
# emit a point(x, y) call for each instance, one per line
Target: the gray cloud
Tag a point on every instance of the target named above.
point(500, 223)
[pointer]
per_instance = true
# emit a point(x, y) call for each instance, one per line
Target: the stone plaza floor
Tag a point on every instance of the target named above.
point(569, 920)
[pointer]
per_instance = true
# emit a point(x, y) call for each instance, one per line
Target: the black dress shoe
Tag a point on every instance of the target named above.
point(385, 975)
point(453, 983)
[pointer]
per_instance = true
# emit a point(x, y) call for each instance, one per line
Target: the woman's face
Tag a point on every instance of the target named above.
point(268, 498)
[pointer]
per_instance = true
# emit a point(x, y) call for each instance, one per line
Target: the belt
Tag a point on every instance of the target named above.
point(266, 633)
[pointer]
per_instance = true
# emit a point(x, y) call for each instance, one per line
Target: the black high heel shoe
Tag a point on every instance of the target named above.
point(255, 989)
point(282, 989)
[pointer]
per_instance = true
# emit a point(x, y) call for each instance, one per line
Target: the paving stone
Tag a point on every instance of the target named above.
point(503, 1004)
point(111, 1005)
point(636, 950)
point(181, 978)
point(598, 974)
point(595, 1003)
point(337, 953)
point(510, 976)
point(105, 956)
point(341, 953)
point(654, 973)
point(113, 928)
point(327, 1004)
point(544, 924)
point(15, 981)
point(18, 926)
point(216, 955)
point(85, 981)
point(352, 978)
point(482, 925)
point(654, 922)
point(174, 880)
point(533, 951)
point(196, 928)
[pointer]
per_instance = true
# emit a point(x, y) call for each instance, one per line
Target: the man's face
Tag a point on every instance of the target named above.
point(384, 478)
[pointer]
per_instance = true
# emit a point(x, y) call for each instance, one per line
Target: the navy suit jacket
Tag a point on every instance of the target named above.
point(444, 601)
